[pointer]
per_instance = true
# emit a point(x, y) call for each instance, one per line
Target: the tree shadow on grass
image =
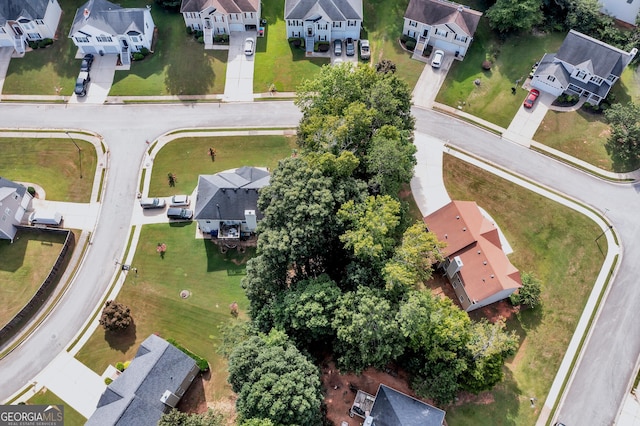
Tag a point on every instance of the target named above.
point(195, 399)
point(121, 340)
point(13, 254)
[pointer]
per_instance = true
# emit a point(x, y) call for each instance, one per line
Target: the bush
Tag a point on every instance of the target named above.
point(221, 38)
point(296, 42)
point(115, 316)
point(202, 363)
point(200, 40)
point(108, 381)
point(47, 42)
point(144, 51)
point(33, 44)
point(189, 31)
point(486, 65)
point(126, 364)
point(120, 366)
point(137, 56)
point(32, 191)
point(322, 46)
point(198, 33)
point(410, 44)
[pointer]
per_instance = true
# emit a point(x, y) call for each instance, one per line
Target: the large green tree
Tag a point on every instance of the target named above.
point(178, 418)
point(515, 15)
point(529, 293)
point(390, 160)
point(624, 142)
point(275, 381)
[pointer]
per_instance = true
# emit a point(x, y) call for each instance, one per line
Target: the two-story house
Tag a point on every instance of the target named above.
point(105, 28)
point(323, 20)
point(582, 66)
point(442, 24)
point(14, 202)
point(215, 17)
point(22, 21)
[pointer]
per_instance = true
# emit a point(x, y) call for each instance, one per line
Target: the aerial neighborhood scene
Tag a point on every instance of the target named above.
point(319, 212)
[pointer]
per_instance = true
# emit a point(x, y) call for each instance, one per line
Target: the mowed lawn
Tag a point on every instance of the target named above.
point(153, 294)
point(54, 164)
point(46, 397)
point(276, 61)
point(555, 243)
point(189, 157)
point(580, 134)
point(492, 99)
point(24, 264)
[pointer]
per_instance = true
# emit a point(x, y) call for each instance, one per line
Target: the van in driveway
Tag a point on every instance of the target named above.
point(152, 203)
point(45, 218)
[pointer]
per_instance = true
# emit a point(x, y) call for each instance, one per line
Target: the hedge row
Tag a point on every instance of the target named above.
point(202, 363)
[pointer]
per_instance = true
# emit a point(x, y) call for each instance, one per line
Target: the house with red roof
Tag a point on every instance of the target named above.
point(475, 264)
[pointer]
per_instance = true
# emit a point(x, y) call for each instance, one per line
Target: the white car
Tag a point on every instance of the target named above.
point(179, 201)
point(438, 57)
point(365, 52)
point(248, 46)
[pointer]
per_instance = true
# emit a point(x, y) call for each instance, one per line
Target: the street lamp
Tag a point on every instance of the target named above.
point(79, 152)
point(604, 232)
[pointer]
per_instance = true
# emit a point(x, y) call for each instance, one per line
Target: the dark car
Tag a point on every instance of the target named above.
point(350, 47)
point(337, 47)
point(81, 83)
point(86, 62)
point(531, 98)
point(179, 213)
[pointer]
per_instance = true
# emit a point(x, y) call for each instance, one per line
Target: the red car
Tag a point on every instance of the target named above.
point(531, 98)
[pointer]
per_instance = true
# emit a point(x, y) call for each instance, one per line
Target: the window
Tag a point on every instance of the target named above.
point(82, 39)
point(134, 39)
point(581, 75)
point(337, 25)
point(461, 299)
point(441, 33)
point(413, 24)
point(103, 39)
point(39, 22)
point(612, 77)
point(551, 78)
point(597, 80)
point(461, 38)
point(34, 36)
point(2, 30)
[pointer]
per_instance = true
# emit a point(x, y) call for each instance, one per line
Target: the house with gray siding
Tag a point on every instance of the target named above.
point(394, 408)
point(152, 385)
point(15, 201)
point(22, 21)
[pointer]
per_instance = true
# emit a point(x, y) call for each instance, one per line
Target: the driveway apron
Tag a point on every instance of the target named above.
point(5, 58)
point(238, 85)
point(102, 73)
point(526, 121)
point(429, 83)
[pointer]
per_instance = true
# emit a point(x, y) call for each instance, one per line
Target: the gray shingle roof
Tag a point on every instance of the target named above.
point(226, 195)
point(332, 10)
point(599, 58)
point(224, 6)
point(13, 9)
point(6, 183)
point(438, 12)
point(393, 408)
point(133, 399)
point(108, 17)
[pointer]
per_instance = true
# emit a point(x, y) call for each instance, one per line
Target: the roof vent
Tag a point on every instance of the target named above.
point(457, 217)
point(446, 236)
point(478, 251)
point(484, 263)
point(464, 229)
point(492, 276)
point(86, 13)
point(460, 8)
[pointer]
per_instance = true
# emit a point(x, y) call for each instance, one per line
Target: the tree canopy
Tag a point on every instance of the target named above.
point(115, 316)
point(624, 142)
point(514, 15)
point(178, 418)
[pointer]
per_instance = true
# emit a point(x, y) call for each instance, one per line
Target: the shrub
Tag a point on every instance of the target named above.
point(32, 191)
point(221, 38)
point(200, 40)
point(410, 44)
point(198, 33)
point(47, 42)
point(486, 65)
point(202, 363)
point(108, 381)
point(115, 316)
point(33, 44)
point(295, 41)
point(126, 364)
point(144, 51)
point(189, 31)
point(120, 366)
point(137, 56)
point(322, 46)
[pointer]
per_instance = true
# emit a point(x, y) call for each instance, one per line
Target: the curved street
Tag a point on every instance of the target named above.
point(603, 376)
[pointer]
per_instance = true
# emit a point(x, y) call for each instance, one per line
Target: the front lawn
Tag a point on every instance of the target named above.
point(212, 280)
point(555, 243)
point(25, 264)
point(580, 134)
point(492, 99)
point(54, 164)
point(277, 62)
point(189, 157)
point(46, 397)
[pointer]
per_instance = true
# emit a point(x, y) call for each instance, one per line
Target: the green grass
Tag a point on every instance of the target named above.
point(189, 157)
point(178, 66)
point(276, 62)
point(555, 243)
point(25, 264)
point(53, 164)
point(579, 134)
point(154, 297)
point(46, 397)
point(493, 100)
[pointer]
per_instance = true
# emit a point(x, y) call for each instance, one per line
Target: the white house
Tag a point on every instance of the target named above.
point(582, 66)
point(323, 20)
point(215, 17)
point(624, 10)
point(22, 21)
point(442, 24)
point(227, 202)
point(105, 28)
point(14, 202)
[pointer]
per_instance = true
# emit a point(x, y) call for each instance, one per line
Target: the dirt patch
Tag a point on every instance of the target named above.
point(483, 398)
point(194, 400)
point(340, 389)
point(502, 309)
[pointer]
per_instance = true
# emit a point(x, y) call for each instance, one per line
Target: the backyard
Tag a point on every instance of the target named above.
point(54, 164)
point(557, 245)
point(189, 157)
point(25, 264)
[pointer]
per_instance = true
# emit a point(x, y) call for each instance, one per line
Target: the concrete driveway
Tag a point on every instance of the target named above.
point(526, 121)
point(238, 86)
point(102, 73)
point(429, 83)
point(5, 58)
point(76, 215)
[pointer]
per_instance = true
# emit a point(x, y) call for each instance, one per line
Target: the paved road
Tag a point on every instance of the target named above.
point(602, 379)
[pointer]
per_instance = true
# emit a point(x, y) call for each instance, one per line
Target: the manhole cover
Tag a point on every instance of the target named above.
point(185, 294)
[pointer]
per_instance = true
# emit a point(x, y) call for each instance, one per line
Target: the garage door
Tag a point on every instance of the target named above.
point(89, 49)
point(111, 49)
point(236, 27)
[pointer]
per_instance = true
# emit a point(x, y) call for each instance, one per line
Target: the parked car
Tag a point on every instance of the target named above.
point(86, 62)
point(438, 57)
point(365, 53)
point(152, 203)
point(531, 98)
point(248, 46)
point(81, 83)
point(179, 213)
point(45, 218)
point(179, 201)
point(350, 47)
point(337, 47)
